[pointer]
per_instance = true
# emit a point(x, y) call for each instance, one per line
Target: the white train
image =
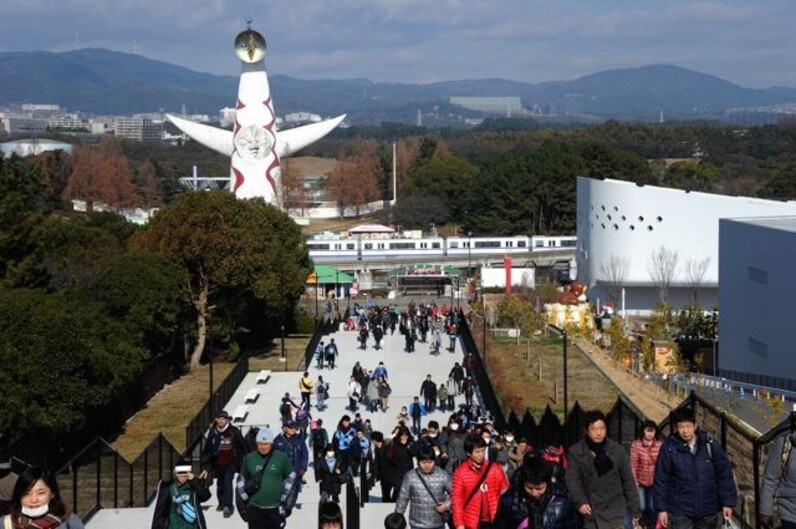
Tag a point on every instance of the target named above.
point(353, 248)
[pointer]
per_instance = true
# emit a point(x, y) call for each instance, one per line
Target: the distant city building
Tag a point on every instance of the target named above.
point(137, 128)
point(20, 125)
point(505, 105)
point(226, 117)
point(33, 147)
point(35, 107)
point(756, 299)
point(302, 117)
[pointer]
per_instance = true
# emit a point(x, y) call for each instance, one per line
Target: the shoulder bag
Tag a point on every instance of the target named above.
point(446, 516)
point(254, 483)
point(480, 481)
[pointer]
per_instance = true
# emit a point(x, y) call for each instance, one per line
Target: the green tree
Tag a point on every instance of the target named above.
point(61, 358)
point(782, 186)
point(223, 242)
point(21, 211)
point(145, 293)
point(445, 177)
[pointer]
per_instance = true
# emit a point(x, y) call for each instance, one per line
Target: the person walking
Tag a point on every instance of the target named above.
point(353, 391)
point(319, 439)
point(223, 453)
point(331, 474)
point(779, 483)
point(319, 353)
point(384, 393)
point(330, 353)
point(442, 395)
point(344, 437)
point(476, 488)
point(372, 395)
point(400, 452)
point(452, 389)
point(643, 456)
point(321, 394)
point(305, 388)
point(428, 390)
point(295, 447)
point(457, 373)
point(417, 411)
point(273, 497)
point(599, 480)
point(178, 502)
point(428, 489)
point(693, 479)
point(532, 503)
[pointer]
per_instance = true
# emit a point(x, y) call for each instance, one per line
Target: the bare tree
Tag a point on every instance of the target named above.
point(614, 274)
point(662, 266)
point(294, 195)
point(695, 276)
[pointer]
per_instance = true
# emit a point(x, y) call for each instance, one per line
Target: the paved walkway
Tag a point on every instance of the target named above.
point(406, 373)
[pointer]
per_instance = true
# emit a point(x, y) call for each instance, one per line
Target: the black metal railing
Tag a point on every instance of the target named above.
point(205, 416)
point(100, 477)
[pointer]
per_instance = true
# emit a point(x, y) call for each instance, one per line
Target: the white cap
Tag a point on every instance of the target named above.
point(182, 469)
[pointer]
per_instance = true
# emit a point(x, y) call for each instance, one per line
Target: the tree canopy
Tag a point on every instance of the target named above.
point(222, 242)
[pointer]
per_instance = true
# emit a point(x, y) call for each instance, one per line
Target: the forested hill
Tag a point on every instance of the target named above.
point(106, 82)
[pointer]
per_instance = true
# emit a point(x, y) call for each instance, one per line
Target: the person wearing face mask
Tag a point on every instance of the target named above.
point(178, 504)
point(36, 504)
point(455, 448)
point(332, 473)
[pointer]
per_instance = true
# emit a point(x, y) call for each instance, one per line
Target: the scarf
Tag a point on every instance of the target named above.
point(48, 521)
point(602, 463)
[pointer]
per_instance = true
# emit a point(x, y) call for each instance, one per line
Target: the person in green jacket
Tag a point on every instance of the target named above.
point(274, 498)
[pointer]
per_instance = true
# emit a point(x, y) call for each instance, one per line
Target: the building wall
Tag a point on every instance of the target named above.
point(757, 303)
point(630, 222)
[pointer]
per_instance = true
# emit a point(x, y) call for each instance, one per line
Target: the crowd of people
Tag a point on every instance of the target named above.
point(450, 469)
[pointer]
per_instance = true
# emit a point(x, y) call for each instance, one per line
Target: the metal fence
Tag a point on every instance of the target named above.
point(100, 477)
point(202, 420)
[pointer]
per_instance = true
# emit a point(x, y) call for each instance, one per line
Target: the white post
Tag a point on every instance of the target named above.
point(394, 177)
point(623, 304)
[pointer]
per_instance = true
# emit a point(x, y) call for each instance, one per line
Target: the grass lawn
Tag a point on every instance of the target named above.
point(173, 408)
point(170, 410)
point(517, 382)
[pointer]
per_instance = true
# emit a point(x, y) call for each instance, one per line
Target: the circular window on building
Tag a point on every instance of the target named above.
point(660, 219)
point(650, 228)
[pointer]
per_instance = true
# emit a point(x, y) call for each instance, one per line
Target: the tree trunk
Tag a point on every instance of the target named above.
point(200, 304)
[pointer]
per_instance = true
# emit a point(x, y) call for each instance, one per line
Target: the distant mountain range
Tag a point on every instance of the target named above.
point(105, 82)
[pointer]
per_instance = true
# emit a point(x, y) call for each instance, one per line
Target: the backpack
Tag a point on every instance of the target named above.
point(319, 439)
point(284, 409)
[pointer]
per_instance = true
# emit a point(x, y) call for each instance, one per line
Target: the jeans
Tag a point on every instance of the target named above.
point(225, 480)
point(648, 515)
point(320, 401)
point(679, 521)
point(416, 429)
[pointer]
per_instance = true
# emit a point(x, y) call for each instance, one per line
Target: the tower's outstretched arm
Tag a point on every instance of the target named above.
point(288, 141)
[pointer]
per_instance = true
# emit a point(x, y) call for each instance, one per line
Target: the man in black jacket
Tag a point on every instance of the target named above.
point(223, 452)
point(429, 391)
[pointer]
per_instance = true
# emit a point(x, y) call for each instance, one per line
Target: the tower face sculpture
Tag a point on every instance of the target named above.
point(254, 145)
point(255, 162)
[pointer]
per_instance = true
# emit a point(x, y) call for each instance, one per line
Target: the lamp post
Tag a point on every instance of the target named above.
point(469, 253)
point(563, 333)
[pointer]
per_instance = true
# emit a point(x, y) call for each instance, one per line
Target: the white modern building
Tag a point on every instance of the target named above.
point(757, 300)
point(33, 147)
point(620, 225)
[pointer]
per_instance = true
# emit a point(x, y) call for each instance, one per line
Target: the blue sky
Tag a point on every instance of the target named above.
point(751, 43)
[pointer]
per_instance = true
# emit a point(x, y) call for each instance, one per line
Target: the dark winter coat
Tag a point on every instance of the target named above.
point(693, 484)
point(214, 436)
point(555, 511)
point(399, 462)
point(607, 494)
point(160, 519)
point(331, 481)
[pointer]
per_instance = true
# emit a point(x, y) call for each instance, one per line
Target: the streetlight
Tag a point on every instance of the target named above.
point(563, 333)
point(469, 253)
